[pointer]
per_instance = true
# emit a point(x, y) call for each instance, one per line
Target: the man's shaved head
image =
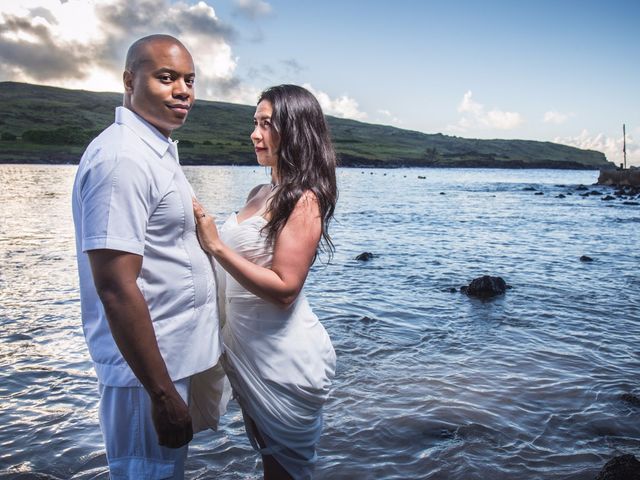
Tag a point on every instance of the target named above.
point(138, 52)
point(159, 81)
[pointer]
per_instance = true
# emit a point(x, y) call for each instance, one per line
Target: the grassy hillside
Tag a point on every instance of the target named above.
point(52, 125)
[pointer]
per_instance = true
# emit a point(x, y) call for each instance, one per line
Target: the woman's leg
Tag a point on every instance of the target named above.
point(272, 469)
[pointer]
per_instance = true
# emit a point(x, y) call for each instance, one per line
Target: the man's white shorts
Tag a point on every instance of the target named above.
point(130, 437)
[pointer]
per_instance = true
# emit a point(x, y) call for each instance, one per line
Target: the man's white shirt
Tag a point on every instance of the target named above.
point(130, 194)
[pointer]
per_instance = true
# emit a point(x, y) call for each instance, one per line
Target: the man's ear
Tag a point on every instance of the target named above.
point(127, 80)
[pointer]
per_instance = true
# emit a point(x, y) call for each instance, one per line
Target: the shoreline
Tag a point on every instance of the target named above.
point(376, 164)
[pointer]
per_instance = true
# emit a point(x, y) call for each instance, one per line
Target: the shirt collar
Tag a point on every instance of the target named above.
point(147, 132)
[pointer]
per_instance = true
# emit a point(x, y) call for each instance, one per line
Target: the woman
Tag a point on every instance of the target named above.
point(278, 356)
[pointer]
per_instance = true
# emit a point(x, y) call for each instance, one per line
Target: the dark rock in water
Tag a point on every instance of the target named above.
point(485, 286)
point(595, 192)
point(608, 197)
point(365, 256)
point(539, 193)
point(630, 203)
point(622, 467)
point(585, 258)
point(561, 196)
point(367, 320)
point(581, 187)
point(630, 398)
point(442, 193)
point(421, 177)
point(453, 290)
point(529, 189)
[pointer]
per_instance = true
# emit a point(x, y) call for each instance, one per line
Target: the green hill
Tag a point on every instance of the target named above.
point(53, 125)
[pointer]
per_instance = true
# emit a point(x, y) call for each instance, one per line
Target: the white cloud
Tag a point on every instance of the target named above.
point(342, 106)
point(386, 117)
point(475, 117)
point(468, 105)
point(503, 120)
point(556, 117)
point(610, 146)
point(42, 41)
point(253, 8)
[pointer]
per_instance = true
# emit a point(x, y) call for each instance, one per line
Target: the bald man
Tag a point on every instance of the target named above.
point(147, 289)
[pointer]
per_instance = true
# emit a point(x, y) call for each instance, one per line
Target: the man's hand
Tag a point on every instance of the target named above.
point(172, 420)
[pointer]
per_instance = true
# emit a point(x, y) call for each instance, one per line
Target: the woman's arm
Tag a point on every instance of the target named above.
point(294, 250)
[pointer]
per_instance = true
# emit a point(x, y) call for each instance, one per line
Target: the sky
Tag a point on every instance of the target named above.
point(561, 71)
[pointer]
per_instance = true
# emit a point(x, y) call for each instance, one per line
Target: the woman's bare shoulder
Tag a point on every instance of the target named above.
point(254, 191)
point(307, 204)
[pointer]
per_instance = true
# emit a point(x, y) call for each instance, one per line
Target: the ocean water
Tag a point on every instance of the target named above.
point(540, 383)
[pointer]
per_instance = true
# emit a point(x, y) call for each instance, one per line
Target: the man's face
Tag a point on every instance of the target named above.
point(161, 90)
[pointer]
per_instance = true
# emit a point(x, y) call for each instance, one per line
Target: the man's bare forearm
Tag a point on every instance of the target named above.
point(115, 274)
point(133, 332)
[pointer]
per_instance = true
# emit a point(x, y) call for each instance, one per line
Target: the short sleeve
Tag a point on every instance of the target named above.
point(116, 195)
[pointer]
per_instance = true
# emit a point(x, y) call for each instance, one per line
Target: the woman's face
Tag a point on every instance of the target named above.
point(264, 137)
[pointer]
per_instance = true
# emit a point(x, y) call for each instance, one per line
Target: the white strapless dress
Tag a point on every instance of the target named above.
point(280, 362)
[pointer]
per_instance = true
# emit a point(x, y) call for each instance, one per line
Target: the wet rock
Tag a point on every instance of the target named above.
point(539, 193)
point(581, 187)
point(631, 399)
point(595, 193)
point(627, 177)
point(622, 467)
point(630, 203)
point(485, 286)
point(442, 193)
point(365, 257)
point(367, 320)
point(608, 197)
point(421, 177)
point(452, 290)
point(586, 258)
point(561, 196)
point(529, 189)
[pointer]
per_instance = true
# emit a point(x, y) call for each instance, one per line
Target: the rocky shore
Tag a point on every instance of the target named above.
point(629, 177)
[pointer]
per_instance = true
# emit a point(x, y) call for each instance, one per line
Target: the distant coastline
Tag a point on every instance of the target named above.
point(73, 159)
point(48, 125)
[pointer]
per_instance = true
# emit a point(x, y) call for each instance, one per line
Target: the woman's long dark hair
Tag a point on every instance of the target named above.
point(306, 158)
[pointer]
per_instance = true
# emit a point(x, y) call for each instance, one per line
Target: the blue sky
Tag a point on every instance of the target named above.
point(563, 71)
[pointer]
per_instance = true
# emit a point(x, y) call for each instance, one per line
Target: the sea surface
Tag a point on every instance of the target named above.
point(540, 383)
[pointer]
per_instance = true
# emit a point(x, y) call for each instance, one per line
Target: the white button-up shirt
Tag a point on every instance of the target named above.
point(131, 195)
